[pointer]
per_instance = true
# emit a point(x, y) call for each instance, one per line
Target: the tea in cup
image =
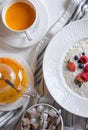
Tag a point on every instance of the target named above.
point(20, 16)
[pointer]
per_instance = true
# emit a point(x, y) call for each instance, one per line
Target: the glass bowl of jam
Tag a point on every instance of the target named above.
point(14, 72)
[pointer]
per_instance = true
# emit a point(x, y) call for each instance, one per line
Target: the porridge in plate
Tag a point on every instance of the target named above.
point(75, 68)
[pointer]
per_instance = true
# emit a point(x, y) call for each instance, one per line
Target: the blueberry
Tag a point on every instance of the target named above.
point(76, 57)
point(79, 61)
point(83, 53)
point(81, 66)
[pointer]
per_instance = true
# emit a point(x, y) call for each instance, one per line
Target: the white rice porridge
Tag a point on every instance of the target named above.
point(69, 76)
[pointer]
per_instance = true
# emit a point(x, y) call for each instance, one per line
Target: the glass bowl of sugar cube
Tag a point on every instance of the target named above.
point(42, 117)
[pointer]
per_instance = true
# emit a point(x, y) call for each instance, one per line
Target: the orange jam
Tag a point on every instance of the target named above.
point(13, 71)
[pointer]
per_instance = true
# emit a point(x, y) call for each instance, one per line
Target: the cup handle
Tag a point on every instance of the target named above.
point(28, 35)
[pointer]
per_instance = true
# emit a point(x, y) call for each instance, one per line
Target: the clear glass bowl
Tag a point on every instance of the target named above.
point(42, 108)
point(17, 72)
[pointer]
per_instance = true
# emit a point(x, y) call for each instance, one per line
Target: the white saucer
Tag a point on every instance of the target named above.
point(23, 101)
point(53, 67)
point(20, 40)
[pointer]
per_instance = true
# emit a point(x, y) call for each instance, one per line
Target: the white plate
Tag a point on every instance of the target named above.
point(52, 67)
point(22, 101)
point(20, 40)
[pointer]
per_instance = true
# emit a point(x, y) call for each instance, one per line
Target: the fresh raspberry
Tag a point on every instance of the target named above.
point(84, 76)
point(71, 66)
point(86, 68)
point(84, 59)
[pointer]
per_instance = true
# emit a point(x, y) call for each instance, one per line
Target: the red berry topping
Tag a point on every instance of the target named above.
point(86, 68)
point(84, 76)
point(83, 59)
point(78, 77)
point(78, 80)
point(71, 66)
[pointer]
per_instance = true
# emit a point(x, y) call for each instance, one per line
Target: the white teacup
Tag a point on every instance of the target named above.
point(11, 13)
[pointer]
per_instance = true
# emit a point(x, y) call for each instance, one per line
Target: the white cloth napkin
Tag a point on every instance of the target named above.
point(76, 9)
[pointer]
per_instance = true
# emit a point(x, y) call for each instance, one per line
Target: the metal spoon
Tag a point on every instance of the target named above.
point(31, 93)
point(9, 82)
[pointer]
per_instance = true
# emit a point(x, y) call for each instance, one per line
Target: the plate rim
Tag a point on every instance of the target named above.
point(83, 22)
